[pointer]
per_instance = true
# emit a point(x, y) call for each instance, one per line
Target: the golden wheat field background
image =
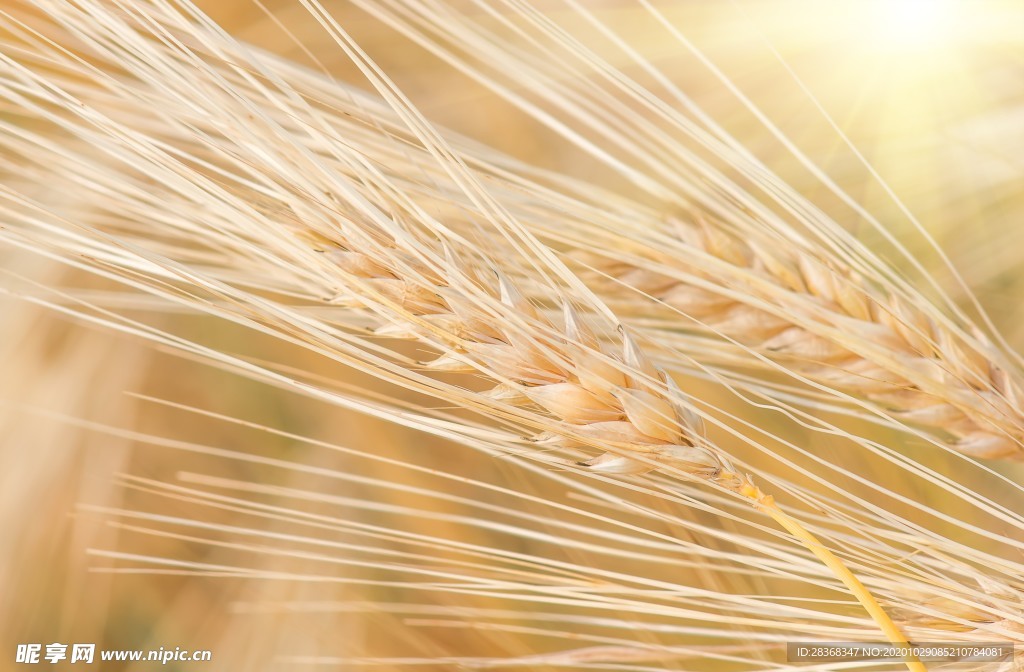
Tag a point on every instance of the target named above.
point(506, 334)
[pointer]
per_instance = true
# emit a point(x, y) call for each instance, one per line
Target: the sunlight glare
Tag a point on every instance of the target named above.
point(913, 25)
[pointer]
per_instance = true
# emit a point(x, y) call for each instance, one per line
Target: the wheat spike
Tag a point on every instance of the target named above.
point(827, 323)
point(592, 393)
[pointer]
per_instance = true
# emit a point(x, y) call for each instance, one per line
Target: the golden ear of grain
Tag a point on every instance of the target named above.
point(830, 325)
point(599, 399)
point(650, 427)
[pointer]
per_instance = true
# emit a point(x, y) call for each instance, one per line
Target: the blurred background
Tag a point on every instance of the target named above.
point(929, 93)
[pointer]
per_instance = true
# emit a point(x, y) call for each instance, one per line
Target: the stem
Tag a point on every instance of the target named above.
point(767, 504)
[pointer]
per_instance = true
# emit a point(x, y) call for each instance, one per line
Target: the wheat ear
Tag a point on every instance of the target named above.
point(830, 325)
point(602, 404)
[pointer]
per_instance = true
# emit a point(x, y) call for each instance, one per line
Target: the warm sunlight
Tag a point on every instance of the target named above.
point(913, 25)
